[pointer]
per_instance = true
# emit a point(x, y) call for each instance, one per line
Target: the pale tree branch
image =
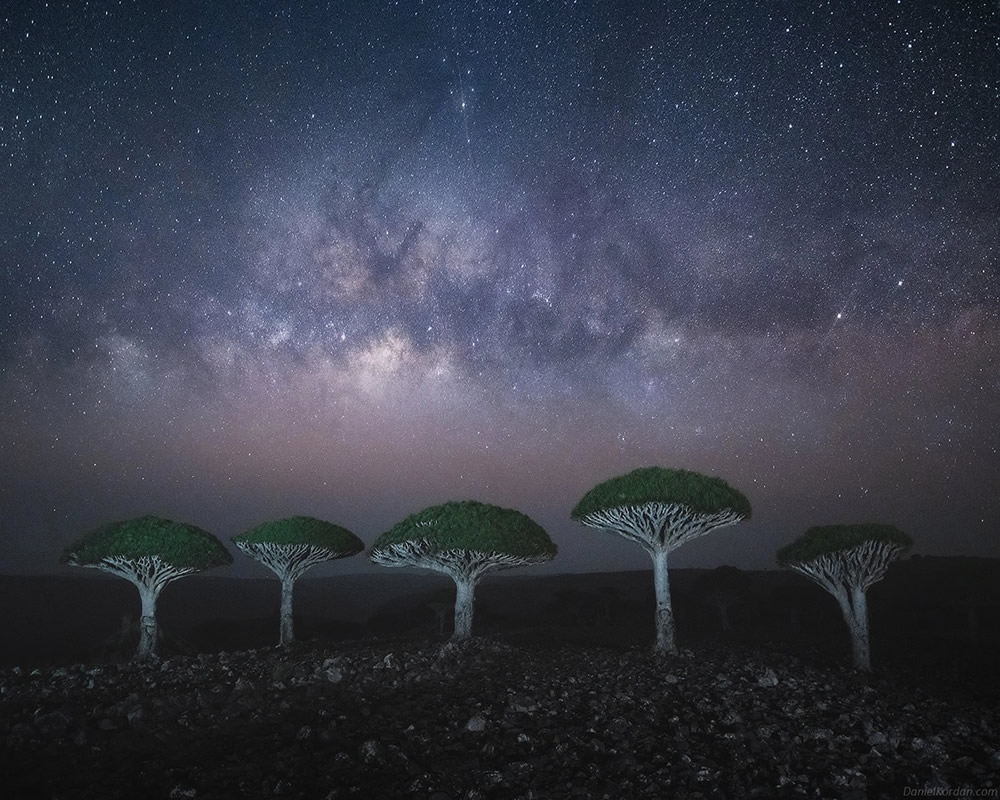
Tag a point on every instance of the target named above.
point(827, 570)
point(867, 563)
point(289, 560)
point(852, 568)
point(457, 563)
point(151, 572)
point(659, 526)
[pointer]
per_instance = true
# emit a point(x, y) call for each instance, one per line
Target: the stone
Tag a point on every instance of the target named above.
point(52, 723)
point(390, 662)
point(333, 675)
point(877, 738)
point(769, 678)
point(371, 751)
point(476, 724)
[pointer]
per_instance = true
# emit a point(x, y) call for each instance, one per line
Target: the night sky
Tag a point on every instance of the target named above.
point(262, 259)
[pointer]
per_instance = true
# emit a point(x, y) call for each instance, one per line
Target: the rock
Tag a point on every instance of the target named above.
point(333, 675)
point(731, 719)
point(181, 792)
point(769, 678)
point(52, 723)
point(476, 724)
point(522, 705)
point(490, 778)
point(877, 738)
point(371, 751)
point(518, 772)
point(390, 662)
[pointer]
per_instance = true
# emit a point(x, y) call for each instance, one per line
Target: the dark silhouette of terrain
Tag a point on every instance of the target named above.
point(943, 612)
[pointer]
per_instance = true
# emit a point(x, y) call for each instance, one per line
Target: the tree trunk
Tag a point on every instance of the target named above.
point(723, 608)
point(858, 624)
point(854, 608)
point(287, 634)
point(465, 587)
point(147, 622)
point(664, 611)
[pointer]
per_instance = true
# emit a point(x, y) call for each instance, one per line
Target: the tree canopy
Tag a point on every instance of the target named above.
point(301, 530)
point(822, 540)
point(177, 544)
point(474, 526)
point(701, 493)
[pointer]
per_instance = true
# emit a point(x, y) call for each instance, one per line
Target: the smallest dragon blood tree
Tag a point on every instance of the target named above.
point(845, 560)
point(464, 540)
point(150, 552)
point(288, 547)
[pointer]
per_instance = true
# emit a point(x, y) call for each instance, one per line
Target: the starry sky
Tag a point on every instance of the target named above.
point(349, 260)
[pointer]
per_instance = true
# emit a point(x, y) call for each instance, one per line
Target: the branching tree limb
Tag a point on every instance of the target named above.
point(846, 560)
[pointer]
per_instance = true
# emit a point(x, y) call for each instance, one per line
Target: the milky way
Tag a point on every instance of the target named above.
point(354, 260)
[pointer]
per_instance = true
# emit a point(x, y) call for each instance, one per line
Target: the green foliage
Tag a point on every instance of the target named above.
point(176, 543)
point(473, 526)
point(701, 493)
point(823, 539)
point(304, 530)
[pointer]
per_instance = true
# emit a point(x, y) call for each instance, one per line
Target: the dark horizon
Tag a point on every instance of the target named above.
point(350, 262)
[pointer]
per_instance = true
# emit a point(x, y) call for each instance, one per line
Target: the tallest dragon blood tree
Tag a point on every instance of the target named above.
point(661, 509)
point(149, 552)
point(845, 560)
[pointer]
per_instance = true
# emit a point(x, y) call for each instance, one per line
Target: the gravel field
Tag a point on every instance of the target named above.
point(488, 720)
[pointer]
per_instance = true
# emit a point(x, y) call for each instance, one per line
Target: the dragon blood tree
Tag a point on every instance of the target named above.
point(288, 547)
point(150, 552)
point(464, 540)
point(661, 509)
point(845, 560)
point(722, 589)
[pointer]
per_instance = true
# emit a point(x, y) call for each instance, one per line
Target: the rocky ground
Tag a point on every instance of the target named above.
point(487, 720)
